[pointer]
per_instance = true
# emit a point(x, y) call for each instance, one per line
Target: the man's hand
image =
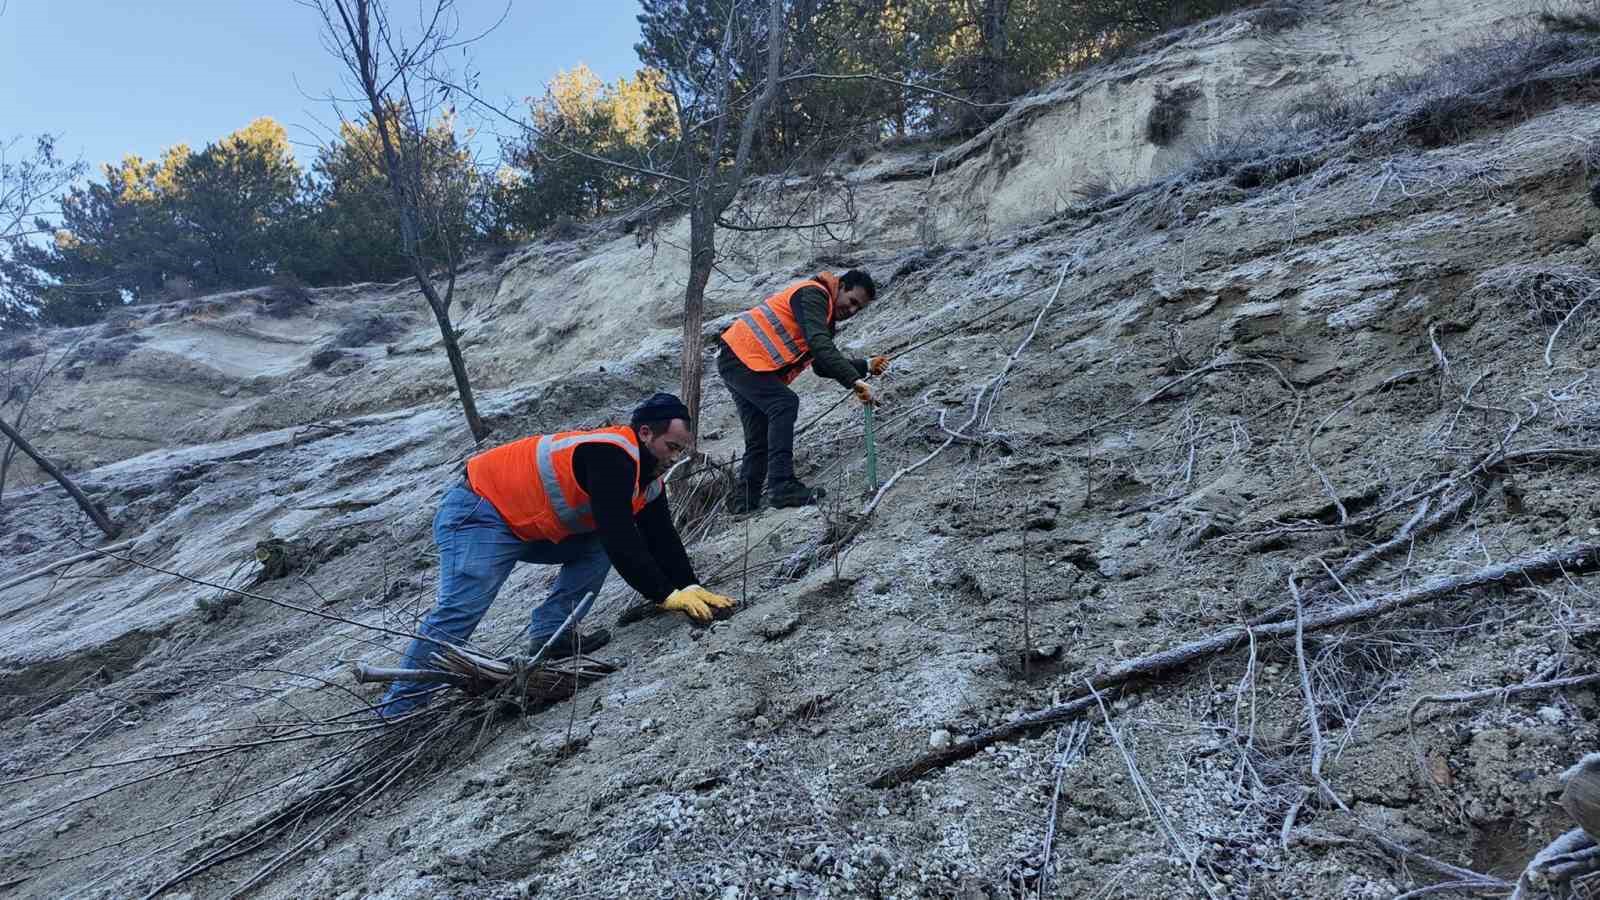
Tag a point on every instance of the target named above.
point(877, 365)
point(696, 602)
point(864, 394)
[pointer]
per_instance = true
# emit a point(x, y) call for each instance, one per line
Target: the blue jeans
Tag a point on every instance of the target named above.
point(477, 552)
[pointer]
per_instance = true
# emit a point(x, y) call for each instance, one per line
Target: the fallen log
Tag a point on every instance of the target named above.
point(1581, 559)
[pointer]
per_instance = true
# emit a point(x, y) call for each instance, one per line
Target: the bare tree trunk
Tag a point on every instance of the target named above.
point(94, 512)
point(711, 192)
point(458, 363)
point(994, 65)
point(702, 255)
point(357, 17)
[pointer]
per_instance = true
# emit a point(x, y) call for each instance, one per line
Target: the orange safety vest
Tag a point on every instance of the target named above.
point(532, 485)
point(768, 337)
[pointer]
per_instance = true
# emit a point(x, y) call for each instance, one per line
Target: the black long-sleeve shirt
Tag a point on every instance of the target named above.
point(810, 306)
point(646, 551)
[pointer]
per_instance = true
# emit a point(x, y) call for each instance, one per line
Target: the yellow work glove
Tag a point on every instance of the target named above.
point(864, 394)
point(877, 365)
point(696, 602)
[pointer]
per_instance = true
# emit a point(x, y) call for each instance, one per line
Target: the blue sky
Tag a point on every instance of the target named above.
point(112, 78)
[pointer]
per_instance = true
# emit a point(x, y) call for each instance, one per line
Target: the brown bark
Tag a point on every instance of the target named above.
point(89, 507)
point(702, 255)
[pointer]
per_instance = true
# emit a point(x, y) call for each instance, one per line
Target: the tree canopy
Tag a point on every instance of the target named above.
point(241, 210)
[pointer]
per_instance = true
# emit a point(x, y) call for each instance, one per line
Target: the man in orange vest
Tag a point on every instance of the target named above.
point(769, 346)
point(583, 500)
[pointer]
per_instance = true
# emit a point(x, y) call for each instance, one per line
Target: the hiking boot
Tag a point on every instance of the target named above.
point(562, 648)
point(794, 493)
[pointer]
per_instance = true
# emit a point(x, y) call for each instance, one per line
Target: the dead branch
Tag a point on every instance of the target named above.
point(1503, 693)
point(1184, 379)
point(63, 563)
point(1550, 345)
point(1453, 887)
point(1312, 721)
point(1311, 457)
point(1584, 558)
point(89, 507)
point(262, 597)
point(1151, 803)
point(1069, 748)
point(1414, 527)
point(979, 410)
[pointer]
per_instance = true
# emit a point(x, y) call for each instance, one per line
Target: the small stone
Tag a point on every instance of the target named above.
point(939, 739)
point(1551, 715)
point(778, 626)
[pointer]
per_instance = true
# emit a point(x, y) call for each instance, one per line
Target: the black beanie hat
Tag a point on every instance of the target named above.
point(659, 408)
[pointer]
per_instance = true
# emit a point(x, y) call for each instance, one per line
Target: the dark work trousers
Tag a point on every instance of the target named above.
point(767, 410)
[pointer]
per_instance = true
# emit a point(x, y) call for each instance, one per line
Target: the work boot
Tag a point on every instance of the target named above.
point(562, 648)
point(794, 493)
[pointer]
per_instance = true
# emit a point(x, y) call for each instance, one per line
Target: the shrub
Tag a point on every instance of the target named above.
point(326, 357)
point(564, 228)
point(1466, 88)
point(1096, 188)
point(1504, 78)
point(1170, 113)
point(284, 297)
point(1546, 293)
point(371, 329)
point(1278, 16)
point(1574, 18)
point(117, 324)
point(107, 351)
point(177, 287)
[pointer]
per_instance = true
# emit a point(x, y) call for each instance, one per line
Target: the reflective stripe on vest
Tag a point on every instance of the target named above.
point(769, 337)
point(766, 315)
point(580, 518)
point(531, 483)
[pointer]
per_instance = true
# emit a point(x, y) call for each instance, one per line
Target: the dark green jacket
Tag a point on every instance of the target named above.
point(811, 308)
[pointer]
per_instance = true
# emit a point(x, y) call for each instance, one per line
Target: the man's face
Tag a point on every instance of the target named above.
point(850, 302)
point(668, 446)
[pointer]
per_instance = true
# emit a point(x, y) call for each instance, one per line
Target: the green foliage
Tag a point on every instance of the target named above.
point(238, 213)
point(355, 225)
point(554, 176)
point(231, 202)
point(215, 218)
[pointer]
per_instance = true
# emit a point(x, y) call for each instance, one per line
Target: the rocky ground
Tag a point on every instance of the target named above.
point(1175, 397)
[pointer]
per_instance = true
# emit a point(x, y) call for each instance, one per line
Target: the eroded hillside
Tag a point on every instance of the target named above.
point(1215, 373)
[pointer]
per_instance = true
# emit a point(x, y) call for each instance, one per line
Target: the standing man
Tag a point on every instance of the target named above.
point(583, 500)
point(765, 349)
